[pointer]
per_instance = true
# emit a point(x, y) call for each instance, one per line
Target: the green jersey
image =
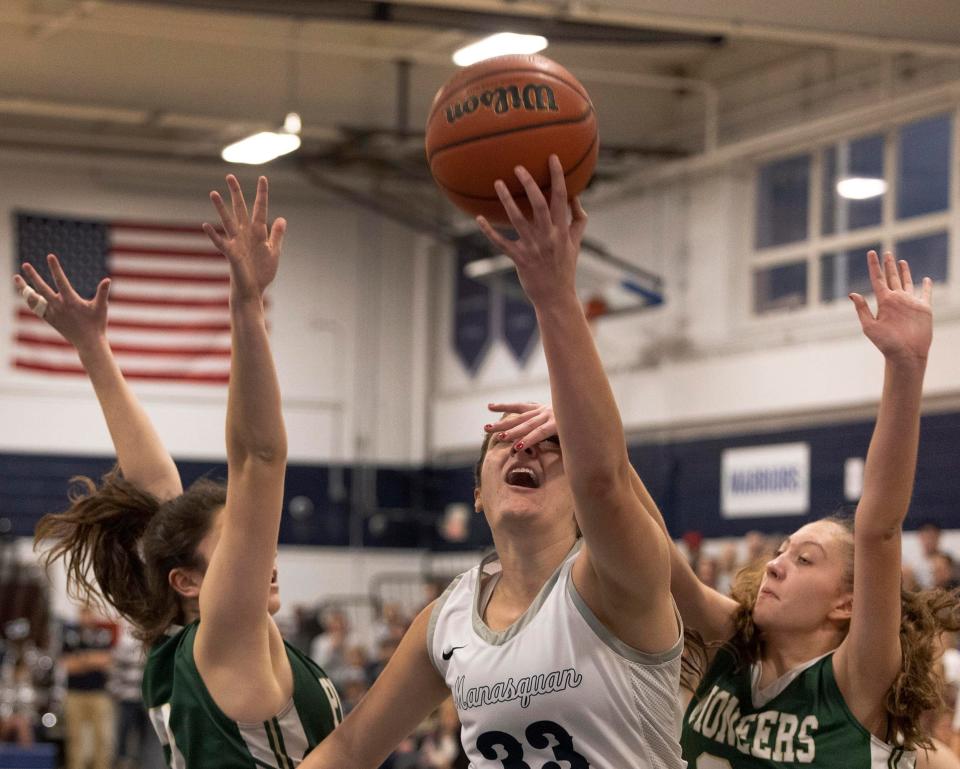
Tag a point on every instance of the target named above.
point(196, 734)
point(801, 720)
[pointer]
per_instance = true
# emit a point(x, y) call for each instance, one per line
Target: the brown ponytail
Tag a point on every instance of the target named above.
point(119, 544)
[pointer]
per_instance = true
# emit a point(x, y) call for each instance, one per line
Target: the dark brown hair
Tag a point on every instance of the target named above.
point(478, 467)
point(919, 685)
point(119, 545)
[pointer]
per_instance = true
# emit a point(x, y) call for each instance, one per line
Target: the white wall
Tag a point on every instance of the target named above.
point(345, 310)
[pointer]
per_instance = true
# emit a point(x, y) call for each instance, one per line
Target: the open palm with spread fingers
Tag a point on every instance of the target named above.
point(548, 245)
point(80, 321)
point(251, 248)
point(903, 326)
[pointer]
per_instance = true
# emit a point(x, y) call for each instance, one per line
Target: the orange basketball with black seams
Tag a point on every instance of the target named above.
point(504, 112)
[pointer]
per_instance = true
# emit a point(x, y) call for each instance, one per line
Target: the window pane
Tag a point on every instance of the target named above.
point(783, 195)
point(860, 158)
point(927, 256)
point(923, 178)
point(844, 271)
point(780, 288)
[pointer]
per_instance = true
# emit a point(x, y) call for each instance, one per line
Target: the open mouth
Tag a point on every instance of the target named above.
point(523, 477)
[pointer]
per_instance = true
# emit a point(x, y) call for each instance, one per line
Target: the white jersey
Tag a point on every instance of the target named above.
point(556, 688)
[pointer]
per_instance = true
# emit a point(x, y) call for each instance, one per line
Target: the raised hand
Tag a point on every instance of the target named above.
point(903, 326)
point(526, 424)
point(546, 252)
point(252, 249)
point(80, 321)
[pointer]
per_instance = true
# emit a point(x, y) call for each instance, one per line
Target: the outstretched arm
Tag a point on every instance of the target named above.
point(624, 570)
point(83, 323)
point(702, 608)
point(234, 596)
point(869, 658)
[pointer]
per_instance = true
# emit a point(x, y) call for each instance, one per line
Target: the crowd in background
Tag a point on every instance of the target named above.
point(100, 666)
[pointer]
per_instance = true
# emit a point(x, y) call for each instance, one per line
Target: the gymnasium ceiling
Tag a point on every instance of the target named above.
point(177, 79)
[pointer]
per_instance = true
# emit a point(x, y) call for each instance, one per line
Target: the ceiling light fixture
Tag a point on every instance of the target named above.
point(501, 44)
point(861, 188)
point(265, 146)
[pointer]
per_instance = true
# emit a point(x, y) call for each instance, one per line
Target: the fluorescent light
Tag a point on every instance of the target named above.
point(501, 44)
point(861, 188)
point(260, 148)
point(292, 123)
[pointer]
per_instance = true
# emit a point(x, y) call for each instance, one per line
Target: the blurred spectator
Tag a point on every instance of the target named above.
point(391, 624)
point(16, 728)
point(86, 657)
point(385, 650)
point(136, 741)
point(728, 564)
point(708, 571)
point(351, 692)
point(432, 589)
point(329, 649)
point(759, 547)
point(441, 748)
point(929, 536)
point(693, 541)
point(306, 627)
point(909, 577)
point(943, 571)
point(352, 672)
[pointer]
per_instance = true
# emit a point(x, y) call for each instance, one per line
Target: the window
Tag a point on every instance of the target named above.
point(923, 178)
point(842, 272)
point(781, 287)
point(851, 161)
point(783, 193)
point(927, 256)
point(818, 213)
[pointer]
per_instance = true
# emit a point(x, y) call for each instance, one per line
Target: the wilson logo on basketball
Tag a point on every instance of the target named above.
point(501, 100)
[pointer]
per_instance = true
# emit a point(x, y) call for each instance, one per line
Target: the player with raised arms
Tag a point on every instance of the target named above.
point(559, 649)
point(819, 659)
point(194, 570)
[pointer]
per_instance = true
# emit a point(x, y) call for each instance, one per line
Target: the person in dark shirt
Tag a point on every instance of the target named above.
point(87, 646)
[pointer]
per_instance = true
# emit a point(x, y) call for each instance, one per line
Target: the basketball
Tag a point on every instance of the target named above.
point(504, 112)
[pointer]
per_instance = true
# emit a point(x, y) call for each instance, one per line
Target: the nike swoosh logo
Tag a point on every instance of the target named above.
point(449, 652)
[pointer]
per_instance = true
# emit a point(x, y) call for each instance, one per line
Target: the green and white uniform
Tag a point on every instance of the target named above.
point(800, 720)
point(196, 734)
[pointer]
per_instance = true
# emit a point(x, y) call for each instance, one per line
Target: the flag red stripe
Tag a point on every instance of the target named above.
point(183, 376)
point(131, 348)
point(186, 229)
point(181, 277)
point(167, 253)
point(139, 325)
point(152, 301)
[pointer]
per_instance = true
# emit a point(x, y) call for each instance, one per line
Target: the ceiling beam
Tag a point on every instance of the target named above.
point(559, 27)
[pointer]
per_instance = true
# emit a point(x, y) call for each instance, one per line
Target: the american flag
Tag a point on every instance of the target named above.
point(169, 315)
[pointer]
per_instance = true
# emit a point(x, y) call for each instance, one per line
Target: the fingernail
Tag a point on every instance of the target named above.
point(488, 428)
point(502, 436)
point(518, 445)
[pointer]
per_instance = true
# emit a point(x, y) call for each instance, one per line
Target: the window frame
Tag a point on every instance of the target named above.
point(815, 311)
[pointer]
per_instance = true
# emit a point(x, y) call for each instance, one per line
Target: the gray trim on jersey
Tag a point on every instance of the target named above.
point(500, 637)
point(615, 644)
point(434, 614)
